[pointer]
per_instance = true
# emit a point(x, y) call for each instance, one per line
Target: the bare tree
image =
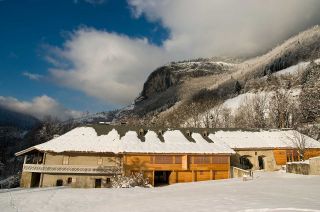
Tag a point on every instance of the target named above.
point(281, 109)
point(300, 143)
point(226, 117)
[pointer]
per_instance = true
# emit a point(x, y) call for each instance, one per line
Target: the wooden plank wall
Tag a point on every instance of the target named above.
point(282, 156)
point(199, 167)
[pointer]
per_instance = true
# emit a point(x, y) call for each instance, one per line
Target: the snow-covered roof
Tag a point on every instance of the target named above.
point(125, 139)
point(119, 140)
point(267, 139)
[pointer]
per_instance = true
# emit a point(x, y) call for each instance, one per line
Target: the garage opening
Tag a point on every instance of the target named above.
point(245, 162)
point(161, 178)
point(97, 183)
point(35, 179)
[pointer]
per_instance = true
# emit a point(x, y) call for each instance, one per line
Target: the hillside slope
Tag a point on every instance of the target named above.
point(171, 92)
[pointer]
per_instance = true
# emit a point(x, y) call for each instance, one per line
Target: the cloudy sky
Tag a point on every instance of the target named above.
point(66, 57)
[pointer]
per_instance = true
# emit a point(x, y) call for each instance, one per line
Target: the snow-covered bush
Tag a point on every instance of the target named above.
point(10, 182)
point(135, 179)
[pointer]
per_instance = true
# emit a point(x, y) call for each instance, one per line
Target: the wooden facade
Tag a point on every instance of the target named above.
point(282, 156)
point(96, 170)
point(178, 168)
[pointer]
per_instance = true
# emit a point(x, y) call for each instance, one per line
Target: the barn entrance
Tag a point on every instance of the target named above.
point(35, 179)
point(245, 162)
point(161, 178)
point(261, 162)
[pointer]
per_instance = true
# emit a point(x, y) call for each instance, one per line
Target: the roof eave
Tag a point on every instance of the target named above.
point(22, 152)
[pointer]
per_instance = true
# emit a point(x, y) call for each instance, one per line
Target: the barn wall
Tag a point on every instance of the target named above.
point(184, 168)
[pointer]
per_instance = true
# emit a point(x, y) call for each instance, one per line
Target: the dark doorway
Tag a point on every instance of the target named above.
point(35, 179)
point(97, 183)
point(245, 162)
point(161, 178)
point(59, 182)
point(261, 162)
point(69, 181)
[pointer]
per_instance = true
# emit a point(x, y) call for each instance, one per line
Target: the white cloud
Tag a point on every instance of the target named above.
point(113, 67)
point(39, 107)
point(106, 65)
point(32, 76)
point(228, 27)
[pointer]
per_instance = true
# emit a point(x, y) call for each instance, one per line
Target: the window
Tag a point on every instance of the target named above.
point(65, 160)
point(163, 159)
point(99, 161)
point(178, 159)
point(201, 159)
point(220, 159)
point(108, 180)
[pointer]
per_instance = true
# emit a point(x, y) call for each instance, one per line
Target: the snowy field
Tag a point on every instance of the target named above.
point(275, 191)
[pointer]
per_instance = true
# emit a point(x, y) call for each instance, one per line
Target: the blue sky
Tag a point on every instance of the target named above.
point(28, 26)
point(63, 57)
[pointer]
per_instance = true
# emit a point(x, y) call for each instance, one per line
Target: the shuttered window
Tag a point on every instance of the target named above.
point(178, 159)
point(219, 159)
point(65, 160)
point(201, 159)
point(163, 159)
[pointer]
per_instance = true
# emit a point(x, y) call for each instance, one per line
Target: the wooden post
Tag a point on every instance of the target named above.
point(44, 158)
point(193, 176)
point(152, 178)
point(25, 159)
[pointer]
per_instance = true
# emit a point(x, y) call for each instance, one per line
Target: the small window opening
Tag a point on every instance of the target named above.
point(188, 132)
point(205, 133)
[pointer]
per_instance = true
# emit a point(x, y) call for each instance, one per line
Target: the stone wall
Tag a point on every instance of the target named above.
point(298, 168)
point(237, 172)
point(76, 181)
point(314, 165)
point(253, 156)
point(309, 167)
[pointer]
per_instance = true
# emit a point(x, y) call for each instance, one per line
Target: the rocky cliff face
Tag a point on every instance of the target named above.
point(181, 83)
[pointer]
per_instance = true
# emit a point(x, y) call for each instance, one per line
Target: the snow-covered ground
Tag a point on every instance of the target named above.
point(273, 191)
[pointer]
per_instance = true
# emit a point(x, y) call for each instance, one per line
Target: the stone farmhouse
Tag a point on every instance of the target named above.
point(90, 156)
